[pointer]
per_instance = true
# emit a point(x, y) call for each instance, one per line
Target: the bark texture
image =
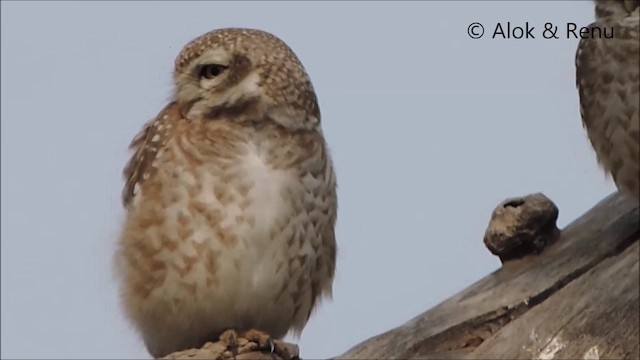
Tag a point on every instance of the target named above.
point(578, 298)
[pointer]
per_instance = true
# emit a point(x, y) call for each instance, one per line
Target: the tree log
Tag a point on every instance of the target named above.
point(577, 298)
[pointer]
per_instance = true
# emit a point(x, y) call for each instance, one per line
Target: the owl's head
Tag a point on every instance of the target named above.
point(616, 9)
point(245, 75)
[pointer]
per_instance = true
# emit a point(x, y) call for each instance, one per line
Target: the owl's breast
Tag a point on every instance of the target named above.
point(234, 229)
point(219, 219)
point(236, 203)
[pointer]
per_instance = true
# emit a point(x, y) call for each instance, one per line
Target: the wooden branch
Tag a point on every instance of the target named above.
point(578, 298)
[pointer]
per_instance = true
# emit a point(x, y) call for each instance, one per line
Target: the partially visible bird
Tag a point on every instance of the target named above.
point(608, 80)
point(230, 200)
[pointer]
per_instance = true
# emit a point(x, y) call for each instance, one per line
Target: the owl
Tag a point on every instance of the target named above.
point(230, 200)
point(608, 81)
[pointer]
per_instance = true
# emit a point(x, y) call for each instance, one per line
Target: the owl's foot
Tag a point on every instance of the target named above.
point(268, 344)
point(255, 340)
point(230, 339)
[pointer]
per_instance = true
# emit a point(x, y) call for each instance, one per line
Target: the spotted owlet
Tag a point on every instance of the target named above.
point(608, 80)
point(230, 199)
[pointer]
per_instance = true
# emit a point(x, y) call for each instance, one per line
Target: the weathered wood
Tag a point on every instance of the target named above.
point(579, 298)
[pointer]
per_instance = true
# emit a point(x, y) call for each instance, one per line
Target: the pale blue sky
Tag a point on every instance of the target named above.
point(428, 128)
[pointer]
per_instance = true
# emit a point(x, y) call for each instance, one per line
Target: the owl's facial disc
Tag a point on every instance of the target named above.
point(244, 75)
point(216, 82)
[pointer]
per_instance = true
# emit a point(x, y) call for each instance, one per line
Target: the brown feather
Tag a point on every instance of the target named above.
point(146, 149)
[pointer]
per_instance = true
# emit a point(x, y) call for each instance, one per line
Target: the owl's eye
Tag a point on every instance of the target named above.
point(211, 70)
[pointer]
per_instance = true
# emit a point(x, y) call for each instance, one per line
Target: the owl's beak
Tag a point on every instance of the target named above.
point(630, 5)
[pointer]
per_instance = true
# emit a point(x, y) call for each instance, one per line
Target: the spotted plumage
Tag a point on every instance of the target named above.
point(608, 80)
point(230, 199)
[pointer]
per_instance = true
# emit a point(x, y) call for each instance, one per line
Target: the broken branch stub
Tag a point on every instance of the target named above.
point(522, 226)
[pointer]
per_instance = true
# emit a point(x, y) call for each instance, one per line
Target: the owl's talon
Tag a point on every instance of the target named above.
point(272, 345)
point(266, 343)
point(230, 339)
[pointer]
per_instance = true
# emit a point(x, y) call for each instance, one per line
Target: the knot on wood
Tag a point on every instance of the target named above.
point(522, 226)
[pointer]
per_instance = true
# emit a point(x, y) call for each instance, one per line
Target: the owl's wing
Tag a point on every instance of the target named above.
point(607, 79)
point(145, 144)
point(585, 81)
